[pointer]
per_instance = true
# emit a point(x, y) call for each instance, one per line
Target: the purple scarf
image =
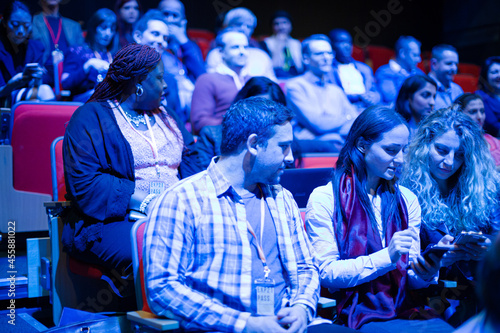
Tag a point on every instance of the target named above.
point(383, 297)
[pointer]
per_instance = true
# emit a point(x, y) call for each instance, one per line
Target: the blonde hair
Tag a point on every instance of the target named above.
point(469, 204)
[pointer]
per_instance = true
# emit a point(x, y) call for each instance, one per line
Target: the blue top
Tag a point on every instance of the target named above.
point(492, 111)
point(390, 78)
point(444, 96)
point(78, 81)
point(192, 64)
point(99, 172)
point(11, 63)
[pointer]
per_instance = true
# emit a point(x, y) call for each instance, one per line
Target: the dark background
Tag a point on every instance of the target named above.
point(473, 27)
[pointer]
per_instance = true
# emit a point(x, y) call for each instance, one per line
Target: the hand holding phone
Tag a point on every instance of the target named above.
point(32, 70)
point(437, 250)
point(469, 237)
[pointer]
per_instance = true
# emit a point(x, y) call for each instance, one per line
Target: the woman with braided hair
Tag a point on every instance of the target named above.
point(121, 150)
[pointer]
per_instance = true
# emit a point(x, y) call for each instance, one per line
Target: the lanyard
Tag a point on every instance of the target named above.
point(54, 39)
point(260, 251)
point(151, 142)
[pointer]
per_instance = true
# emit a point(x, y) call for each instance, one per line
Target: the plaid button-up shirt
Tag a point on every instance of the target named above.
point(198, 256)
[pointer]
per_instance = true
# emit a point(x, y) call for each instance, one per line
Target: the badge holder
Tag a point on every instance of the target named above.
point(264, 291)
point(156, 187)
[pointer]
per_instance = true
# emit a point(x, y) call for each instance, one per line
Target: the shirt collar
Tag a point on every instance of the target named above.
point(221, 184)
point(239, 80)
point(440, 86)
point(310, 77)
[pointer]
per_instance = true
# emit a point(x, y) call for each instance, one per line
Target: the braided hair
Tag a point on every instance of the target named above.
point(132, 61)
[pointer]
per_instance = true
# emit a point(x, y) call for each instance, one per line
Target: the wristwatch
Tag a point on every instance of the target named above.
point(309, 311)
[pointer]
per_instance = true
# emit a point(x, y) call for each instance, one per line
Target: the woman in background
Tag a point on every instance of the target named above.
point(21, 68)
point(85, 66)
point(489, 90)
point(127, 13)
point(473, 106)
point(416, 100)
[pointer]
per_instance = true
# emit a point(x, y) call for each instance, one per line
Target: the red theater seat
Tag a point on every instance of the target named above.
point(472, 69)
point(195, 34)
point(202, 38)
point(34, 128)
point(379, 55)
point(467, 82)
point(144, 317)
point(318, 160)
point(358, 53)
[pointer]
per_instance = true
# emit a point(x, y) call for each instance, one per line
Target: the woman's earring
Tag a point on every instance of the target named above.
point(361, 150)
point(139, 90)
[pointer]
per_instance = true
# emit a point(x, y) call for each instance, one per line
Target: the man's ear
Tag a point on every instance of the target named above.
point(137, 36)
point(433, 63)
point(361, 145)
point(252, 144)
point(401, 53)
point(306, 59)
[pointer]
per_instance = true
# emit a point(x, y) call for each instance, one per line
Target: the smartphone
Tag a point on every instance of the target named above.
point(437, 250)
point(30, 69)
point(469, 237)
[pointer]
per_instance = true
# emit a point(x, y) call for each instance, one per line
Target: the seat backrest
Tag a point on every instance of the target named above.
point(57, 170)
point(358, 53)
point(318, 160)
point(195, 34)
point(467, 82)
point(466, 68)
point(34, 128)
point(203, 38)
point(379, 55)
point(137, 237)
point(301, 182)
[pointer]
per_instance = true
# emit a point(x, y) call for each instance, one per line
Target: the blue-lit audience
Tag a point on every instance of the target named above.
point(414, 168)
point(86, 65)
point(127, 13)
point(21, 62)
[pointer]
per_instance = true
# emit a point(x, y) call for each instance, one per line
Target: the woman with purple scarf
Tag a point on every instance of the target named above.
point(365, 229)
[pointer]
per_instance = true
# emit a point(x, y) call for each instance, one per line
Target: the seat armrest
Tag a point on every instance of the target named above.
point(57, 204)
point(151, 320)
point(55, 208)
point(325, 303)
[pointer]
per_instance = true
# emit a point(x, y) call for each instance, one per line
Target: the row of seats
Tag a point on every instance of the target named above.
point(373, 55)
point(33, 128)
point(26, 162)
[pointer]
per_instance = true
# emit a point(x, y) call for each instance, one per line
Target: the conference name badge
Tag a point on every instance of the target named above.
point(265, 296)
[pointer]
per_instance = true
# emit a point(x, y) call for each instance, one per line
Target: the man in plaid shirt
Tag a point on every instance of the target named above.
point(212, 237)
